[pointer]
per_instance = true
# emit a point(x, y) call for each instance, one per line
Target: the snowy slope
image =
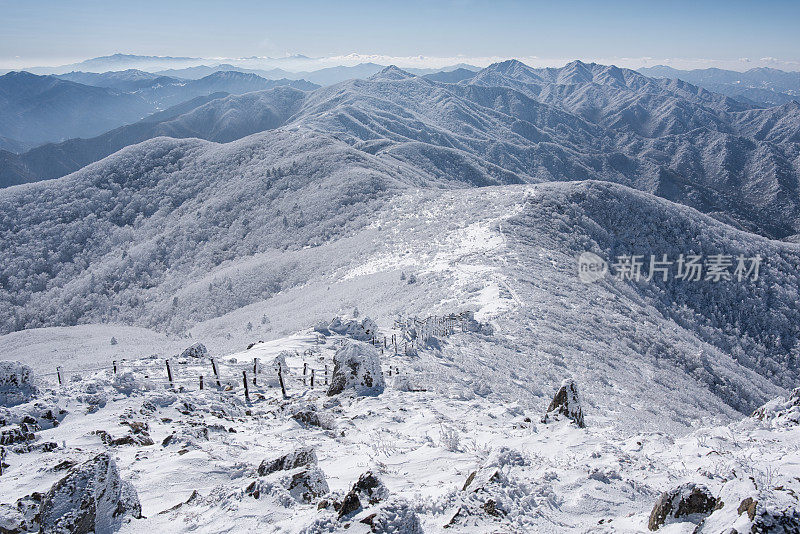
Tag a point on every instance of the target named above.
point(456, 457)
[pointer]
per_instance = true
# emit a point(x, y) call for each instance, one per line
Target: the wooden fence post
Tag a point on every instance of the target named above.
point(280, 379)
point(326, 374)
point(246, 390)
point(216, 372)
point(115, 366)
point(201, 382)
point(305, 370)
point(60, 377)
point(256, 369)
point(169, 375)
point(312, 378)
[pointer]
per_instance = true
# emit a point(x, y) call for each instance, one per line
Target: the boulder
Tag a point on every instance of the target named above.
point(357, 367)
point(304, 456)
point(310, 416)
point(363, 330)
point(689, 502)
point(368, 489)
point(198, 350)
point(91, 498)
point(396, 515)
point(308, 484)
point(304, 484)
point(16, 383)
point(566, 403)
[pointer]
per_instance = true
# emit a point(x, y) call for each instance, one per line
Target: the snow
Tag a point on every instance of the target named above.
point(553, 476)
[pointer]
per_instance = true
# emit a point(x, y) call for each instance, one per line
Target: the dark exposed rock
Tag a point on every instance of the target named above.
point(682, 502)
point(91, 498)
point(477, 480)
point(567, 403)
point(490, 507)
point(350, 504)
point(193, 497)
point(16, 434)
point(297, 458)
point(368, 489)
point(311, 417)
point(748, 505)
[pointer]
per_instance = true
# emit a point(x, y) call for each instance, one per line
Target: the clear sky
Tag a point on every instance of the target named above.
point(51, 32)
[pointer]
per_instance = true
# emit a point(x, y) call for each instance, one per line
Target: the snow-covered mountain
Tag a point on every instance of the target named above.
point(764, 86)
point(252, 220)
point(126, 80)
point(510, 123)
point(37, 109)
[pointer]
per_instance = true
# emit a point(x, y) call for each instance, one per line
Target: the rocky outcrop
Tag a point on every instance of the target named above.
point(304, 484)
point(308, 484)
point(310, 416)
point(198, 350)
point(363, 330)
point(91, 498)
point(357, 367)
point(304, 456)
point(686, 502)
point(780, 411)
point(566, 403)
point(368, 490)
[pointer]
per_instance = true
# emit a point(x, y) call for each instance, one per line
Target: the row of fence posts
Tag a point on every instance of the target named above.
point(257, 367)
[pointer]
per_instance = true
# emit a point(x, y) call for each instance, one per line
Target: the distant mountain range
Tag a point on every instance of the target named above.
point(325, 76)
point(764, 86)
point(510, 123)
point(39, 109)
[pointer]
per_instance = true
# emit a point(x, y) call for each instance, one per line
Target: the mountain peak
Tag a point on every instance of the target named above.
point(392, 72)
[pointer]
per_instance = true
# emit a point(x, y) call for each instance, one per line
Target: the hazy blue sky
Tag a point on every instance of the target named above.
point(52, 32)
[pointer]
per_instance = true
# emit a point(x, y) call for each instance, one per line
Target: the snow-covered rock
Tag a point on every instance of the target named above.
point(567, 403)
point(304, 484)
point(689, 502)
point(367, 490)
point(91, 498)
point(357, 367)
point(363, 330)
point(197, 350)
point(16, 383)
point(292, 460)
point(781, 411)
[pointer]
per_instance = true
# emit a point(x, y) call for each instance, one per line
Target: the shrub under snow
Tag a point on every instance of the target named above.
point(16, 383)
point(357, 366)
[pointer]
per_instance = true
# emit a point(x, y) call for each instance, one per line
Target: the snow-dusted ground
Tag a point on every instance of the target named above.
point(423, 445)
